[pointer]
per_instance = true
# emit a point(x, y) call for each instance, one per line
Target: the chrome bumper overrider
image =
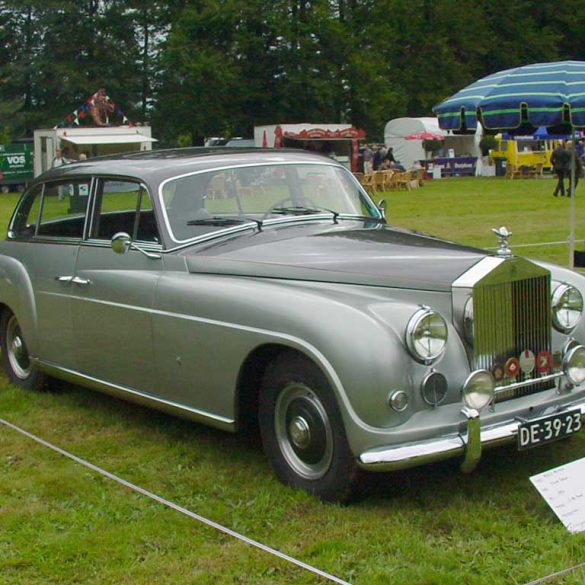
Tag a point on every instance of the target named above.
point(468, 444)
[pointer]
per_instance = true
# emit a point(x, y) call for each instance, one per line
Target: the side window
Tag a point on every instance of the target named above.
point(27, 216)
point(124, 206)
point(54, 210)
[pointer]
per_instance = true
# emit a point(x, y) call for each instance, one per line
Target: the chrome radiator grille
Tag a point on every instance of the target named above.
point(512, 326)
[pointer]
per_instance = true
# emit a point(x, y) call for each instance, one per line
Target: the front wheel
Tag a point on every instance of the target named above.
point(302, 431)
point(15, 357)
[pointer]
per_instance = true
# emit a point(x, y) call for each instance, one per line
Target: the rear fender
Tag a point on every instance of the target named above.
point(16, 292)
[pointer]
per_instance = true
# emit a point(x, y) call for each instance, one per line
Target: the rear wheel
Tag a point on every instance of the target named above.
point(302, 431)
point(15, 357)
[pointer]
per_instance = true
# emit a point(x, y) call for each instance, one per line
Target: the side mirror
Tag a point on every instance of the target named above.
point(382, 207)
point(121, 242)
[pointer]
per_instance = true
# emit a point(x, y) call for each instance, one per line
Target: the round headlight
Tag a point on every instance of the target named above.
point(478, 390)
point(426, 335)
point(574, 365)
point(567, 307)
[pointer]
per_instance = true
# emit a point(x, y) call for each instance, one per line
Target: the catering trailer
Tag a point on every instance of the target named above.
point(89, 141)
point(339, 141)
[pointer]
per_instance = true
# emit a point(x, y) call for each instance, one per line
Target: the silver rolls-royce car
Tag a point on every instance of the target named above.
point(264, 288)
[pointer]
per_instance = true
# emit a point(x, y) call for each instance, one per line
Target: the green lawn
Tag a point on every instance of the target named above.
point(62, 524)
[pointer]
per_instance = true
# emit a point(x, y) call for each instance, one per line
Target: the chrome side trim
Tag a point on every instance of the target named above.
point(470, 444)
point(220, 422)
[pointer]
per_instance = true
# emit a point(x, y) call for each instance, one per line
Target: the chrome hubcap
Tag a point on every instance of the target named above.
point(299, 432)
point(16, 348)
point(303, 431)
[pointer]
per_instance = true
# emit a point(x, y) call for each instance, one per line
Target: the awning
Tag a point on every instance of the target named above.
point(109, 139)
point(320, 134)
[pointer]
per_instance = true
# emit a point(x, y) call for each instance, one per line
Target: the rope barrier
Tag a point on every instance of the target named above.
point(176, 507)
point(535, 245)
point(557, 574)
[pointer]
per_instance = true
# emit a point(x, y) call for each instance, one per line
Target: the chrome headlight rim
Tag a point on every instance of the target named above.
point(468, 390)
point(558, 303)
point(413, 335)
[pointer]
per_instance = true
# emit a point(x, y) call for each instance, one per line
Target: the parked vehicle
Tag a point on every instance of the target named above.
point(265, 286)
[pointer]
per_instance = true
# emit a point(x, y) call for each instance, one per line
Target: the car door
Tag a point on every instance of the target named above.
point(46, 232)
point(112, 304)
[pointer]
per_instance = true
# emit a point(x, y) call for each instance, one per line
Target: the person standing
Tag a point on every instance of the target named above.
point(580, 148)
point(368, 155)
point(59, 159)
point(573, 160)
point(559, 160)
point(379, 156)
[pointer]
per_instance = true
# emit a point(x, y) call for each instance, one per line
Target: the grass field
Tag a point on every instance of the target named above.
point(62, 524)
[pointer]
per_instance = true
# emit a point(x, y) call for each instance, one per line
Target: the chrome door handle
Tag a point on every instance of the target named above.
point(81, 281)
point(64, 278)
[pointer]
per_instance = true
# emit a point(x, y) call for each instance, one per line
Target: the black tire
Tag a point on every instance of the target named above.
point(302, 430)
point(15, 358)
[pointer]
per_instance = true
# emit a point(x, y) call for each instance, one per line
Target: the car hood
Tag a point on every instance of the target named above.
point(342, 253)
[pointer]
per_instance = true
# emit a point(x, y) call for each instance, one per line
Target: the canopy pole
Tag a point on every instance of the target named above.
point(573, 154)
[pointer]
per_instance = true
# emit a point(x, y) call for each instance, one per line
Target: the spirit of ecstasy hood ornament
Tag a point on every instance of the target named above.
point(503, 234)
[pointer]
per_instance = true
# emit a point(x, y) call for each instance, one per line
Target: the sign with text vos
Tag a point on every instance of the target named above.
point(16, 162)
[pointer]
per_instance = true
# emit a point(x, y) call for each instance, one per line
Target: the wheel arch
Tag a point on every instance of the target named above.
point(17, 295)
point(250, 379)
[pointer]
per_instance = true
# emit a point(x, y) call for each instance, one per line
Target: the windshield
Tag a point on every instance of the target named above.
point(211, 200)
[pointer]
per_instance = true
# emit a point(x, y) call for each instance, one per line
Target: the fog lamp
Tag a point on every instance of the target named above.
point(479, 389)
point(574, 364)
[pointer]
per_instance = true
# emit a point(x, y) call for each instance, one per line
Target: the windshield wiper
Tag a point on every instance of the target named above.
point(300, 210)
point(296, 210)
point(224, 221)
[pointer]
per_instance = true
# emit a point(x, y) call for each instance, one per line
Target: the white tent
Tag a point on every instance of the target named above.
point(407, 151)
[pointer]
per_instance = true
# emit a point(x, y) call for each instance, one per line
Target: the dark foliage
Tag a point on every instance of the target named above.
point(219, 67)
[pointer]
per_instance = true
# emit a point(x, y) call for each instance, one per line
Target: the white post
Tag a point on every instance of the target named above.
point(573, 154)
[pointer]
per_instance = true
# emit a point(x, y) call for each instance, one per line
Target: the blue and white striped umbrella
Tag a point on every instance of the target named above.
point(543, 94)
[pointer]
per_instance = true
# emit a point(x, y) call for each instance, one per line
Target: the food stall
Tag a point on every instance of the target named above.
point(525, 151)
point(339, 141)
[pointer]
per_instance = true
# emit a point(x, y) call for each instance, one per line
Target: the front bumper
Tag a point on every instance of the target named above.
point(468, 444)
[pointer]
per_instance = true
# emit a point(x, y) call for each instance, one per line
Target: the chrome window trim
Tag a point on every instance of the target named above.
point(52, 239)
point(101, 178)
point(245, 227)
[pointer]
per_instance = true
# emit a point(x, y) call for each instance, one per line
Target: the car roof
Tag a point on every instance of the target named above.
point(157, 165)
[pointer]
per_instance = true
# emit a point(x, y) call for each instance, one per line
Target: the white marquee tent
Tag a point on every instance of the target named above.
point(407, 151)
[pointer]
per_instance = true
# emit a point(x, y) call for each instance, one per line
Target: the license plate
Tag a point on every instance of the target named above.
point(548, 429)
